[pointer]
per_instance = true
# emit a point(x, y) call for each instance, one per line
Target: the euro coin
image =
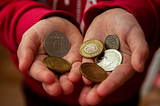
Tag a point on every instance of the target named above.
point(93, 72)
point(91, 48)
point(111, 59)
point(57, 64)
point(111, 42)
point(56, 44)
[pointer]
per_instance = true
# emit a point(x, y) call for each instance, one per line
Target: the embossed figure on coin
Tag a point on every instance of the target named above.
point(111, 59)
point(112, 42)
point(91, 48)
point(56, 44)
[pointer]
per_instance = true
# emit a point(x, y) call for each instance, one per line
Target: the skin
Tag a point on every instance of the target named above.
point(31, 54)
point(133, 48)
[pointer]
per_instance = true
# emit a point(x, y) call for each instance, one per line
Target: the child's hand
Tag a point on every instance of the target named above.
point(133, 47)
point(31, 54)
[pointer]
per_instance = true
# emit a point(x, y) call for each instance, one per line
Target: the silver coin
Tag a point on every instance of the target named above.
point(111, 42)
point(56, 44)
point(111, 59)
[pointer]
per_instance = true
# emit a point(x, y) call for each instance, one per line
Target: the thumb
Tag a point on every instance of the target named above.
point(139, 49)
point(27, 49)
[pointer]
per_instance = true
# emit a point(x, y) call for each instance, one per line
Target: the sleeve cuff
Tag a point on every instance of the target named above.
point(36, 14)
point(143, 13)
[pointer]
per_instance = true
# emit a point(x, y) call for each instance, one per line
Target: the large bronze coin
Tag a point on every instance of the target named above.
point(56, 44)
point(91, 48)
point(93, 72)
point(111, 42)
point(57, 64)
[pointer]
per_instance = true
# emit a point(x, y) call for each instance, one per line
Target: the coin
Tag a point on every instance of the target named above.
point(99, 58)
point(111, 42)
point(93, 72)
point(56, 44)
point(111, 59)
point(57, 64)
point(91, 48)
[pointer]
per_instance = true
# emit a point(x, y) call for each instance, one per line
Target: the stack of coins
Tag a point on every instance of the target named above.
point(56, 45)
point(93, 72)
point(112, 57)
point(106, 61)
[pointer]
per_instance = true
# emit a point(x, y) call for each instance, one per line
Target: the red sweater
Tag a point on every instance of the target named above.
point(16, 16)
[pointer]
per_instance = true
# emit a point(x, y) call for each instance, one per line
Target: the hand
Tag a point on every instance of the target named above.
point(133, 47)
point(31, 54)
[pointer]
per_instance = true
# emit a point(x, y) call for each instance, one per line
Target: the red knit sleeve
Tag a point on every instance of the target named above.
point(145, 11)
point(16, 16)
point(147, 14)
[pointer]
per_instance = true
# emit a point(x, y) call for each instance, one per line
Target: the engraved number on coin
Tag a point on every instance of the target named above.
point(57, 45)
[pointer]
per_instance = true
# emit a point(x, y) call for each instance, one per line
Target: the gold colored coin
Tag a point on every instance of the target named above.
point(91, 48)
point(57, 64)
point(93, 72)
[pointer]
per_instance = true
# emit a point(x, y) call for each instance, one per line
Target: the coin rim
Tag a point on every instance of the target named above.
point(59, 70)
point(120, 55)
point(51, 54)
point(91, 78)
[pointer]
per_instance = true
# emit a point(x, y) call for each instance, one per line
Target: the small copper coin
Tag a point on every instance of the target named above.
point(93, 72)
point(91, 48)
point(56, 44)
point(111, 42)
point(57, 64)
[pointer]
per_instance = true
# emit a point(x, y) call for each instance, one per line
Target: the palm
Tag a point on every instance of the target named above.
point(132, 41)
point(32, 51)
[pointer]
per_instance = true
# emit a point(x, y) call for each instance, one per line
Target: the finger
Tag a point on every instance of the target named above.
point(40, 72)
point(66, 84)
point(83, 95)
point(117, 78)
point(74, 56)
point(139, 49)
point(75, 59)
point(92, 97)
point(27, 49)
point(53, 89)
point(75, 75)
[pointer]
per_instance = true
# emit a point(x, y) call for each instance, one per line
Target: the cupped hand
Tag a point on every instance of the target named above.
point(133, 47)
point(31, 54)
